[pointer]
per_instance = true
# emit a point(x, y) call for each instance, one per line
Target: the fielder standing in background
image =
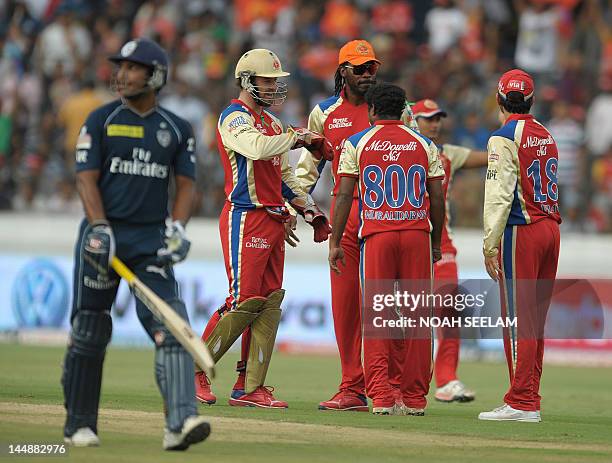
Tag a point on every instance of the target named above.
point(258, 178)
point(429, 116)
point(338, 117)
point(400, 188)
point(126, 153)
point(521, 239)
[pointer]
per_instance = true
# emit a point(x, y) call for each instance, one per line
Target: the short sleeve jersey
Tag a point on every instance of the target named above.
point(393, 164)
point(136, 154)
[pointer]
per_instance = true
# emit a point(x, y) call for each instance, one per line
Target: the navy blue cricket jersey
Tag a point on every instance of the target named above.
point(136, 155)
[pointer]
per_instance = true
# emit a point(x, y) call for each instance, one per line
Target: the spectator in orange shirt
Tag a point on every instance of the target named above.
point(73, 113)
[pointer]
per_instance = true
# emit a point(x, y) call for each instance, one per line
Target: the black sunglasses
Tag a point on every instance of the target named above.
point(360, 70)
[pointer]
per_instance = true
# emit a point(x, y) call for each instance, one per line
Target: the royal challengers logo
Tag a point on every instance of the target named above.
point(277, 128)
point(430, 104)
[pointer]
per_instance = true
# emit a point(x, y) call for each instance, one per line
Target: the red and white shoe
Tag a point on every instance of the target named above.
point(203, 392)
point(261, 397)
point(346, 401)
point(454, 391)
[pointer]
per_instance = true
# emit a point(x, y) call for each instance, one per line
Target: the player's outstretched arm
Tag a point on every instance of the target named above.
point(239, 134)
point(476, 159)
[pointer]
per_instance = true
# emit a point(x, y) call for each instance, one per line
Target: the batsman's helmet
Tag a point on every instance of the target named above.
point(148, 53)
point(261, 63)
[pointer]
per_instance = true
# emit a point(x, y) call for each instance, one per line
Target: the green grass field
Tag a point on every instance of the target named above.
point(577, 414)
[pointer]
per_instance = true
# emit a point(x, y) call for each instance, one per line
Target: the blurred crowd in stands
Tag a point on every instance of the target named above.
point(53, 72)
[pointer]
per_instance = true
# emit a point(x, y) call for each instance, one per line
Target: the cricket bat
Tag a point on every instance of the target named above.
point(165, 314)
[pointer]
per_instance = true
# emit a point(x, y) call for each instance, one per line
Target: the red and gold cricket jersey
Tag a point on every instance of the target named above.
point(521, 184)
point(393, 164)
point(253, 150)
point(337, 119)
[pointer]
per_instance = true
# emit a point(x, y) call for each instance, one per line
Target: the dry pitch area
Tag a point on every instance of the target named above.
point(577, 412)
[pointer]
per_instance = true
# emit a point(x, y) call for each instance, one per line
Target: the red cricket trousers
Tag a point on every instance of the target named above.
point(528, 259)
point(397, 255)
point(346, 306)
point(447, 356)
point(253, 245)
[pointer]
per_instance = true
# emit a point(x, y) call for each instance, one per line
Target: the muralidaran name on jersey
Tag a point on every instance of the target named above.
point(369, 214)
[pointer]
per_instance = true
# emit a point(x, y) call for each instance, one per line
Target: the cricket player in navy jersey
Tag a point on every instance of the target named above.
point(127, 151)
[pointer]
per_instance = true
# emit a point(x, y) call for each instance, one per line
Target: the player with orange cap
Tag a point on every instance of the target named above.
point(337, 118)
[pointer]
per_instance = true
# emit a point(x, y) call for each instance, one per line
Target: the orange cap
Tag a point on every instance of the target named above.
point(357, 52)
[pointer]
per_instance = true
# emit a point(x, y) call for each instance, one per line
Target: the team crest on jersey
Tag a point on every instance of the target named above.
point(163, 138)
point(277, 128)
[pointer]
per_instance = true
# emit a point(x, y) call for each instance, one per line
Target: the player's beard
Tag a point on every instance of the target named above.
point(356, 89)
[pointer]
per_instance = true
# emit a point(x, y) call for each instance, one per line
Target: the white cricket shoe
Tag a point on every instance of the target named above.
point(396, 409)
point(409, 411)
point(195, 429)
point(83, 437)
point(507, 413)
point(453, 391)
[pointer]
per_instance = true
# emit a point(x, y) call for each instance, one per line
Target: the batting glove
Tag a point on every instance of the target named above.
point(99, 245)
point(177, 244)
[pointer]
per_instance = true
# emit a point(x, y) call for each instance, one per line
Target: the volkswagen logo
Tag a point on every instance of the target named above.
point(40, 295)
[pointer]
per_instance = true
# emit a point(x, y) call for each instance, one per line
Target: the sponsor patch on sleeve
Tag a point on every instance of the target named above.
point(237, 122)
point(84, 139)
point(84, 142)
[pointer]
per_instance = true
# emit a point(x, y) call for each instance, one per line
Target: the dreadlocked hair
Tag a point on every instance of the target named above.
point(515, 103)
point(387, 100)
point(338, 82)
